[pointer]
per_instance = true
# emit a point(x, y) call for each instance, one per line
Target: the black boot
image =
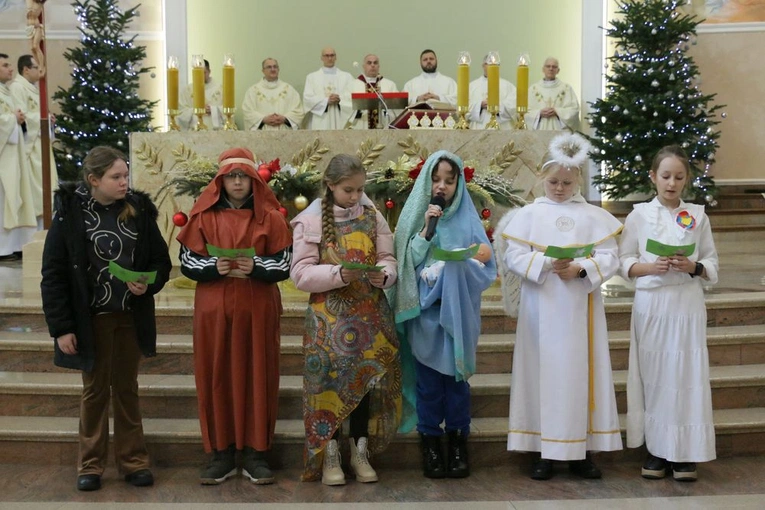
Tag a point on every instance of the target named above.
point(458, 457)
point(432, 457)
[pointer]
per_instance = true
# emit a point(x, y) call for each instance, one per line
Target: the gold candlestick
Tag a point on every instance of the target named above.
point(230, 125)
point(494, 111)
point(200, 125)
point(462, 122)
point(520, 114)
point(173, 126)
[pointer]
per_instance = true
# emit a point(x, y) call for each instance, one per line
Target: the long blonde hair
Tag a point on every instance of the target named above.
point(340, 167)
point(96, 163)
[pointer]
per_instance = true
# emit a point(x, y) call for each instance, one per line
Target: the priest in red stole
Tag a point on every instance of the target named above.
point(237, 308)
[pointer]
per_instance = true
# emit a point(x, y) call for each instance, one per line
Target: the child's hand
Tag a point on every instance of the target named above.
point(223, 265)
point(682, 264)
point(376, 278)
point(433, 211)
point(246, 264)
point(137, 288)
point(67, 343)
point(561, 264)
point(350, 275)
point(569, 272)
point(661, 265)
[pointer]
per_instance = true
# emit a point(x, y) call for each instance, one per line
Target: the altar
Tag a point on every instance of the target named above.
point(155, 158)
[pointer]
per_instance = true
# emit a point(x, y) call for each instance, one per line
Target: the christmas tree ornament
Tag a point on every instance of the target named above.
point(264, 172)
point(180, 219)
point(485, 214)
point(486, 224)
point(300, 202)
point(390, 204)
point(284, 211)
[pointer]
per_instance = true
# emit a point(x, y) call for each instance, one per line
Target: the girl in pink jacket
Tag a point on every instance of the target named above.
point(343, 256)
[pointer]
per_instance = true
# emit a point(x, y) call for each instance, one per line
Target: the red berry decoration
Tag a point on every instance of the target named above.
point(264, 173)
point(180, 218)
point(390, 204)
point(284, 211)
point(486, 214)
point(490, 234)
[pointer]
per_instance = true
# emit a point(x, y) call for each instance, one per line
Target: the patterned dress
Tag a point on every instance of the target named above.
point(350, 349)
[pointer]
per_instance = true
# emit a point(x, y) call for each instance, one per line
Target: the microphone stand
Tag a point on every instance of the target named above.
point(381, 98)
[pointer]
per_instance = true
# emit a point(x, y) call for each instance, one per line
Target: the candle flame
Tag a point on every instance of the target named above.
point(523, 60)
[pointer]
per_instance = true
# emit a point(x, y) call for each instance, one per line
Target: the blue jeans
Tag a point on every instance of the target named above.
point(441, 398)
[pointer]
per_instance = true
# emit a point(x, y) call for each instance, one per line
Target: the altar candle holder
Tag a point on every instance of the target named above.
point(229, 107)
point(198, 87)
point(463, 85)
point(172, 93)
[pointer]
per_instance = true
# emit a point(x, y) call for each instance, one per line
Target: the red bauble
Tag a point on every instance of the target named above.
point(390, 204)
point(264, 173)
point(486, 214)
point(284, 211)
point(490, 234)
point(180, 218)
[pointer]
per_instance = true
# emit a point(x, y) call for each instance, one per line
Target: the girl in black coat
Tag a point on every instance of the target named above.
point(102, 325)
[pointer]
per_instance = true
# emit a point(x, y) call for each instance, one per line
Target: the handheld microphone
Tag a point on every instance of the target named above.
point(438, 201)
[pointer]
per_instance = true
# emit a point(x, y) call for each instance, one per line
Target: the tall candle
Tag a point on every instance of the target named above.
point(463, 85)
point(172, 88)
point(522, 83)
point(492, 75)
point(198, 87)
point(228, 86)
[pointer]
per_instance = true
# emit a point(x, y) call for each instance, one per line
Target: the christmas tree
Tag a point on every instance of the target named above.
point(102, 106)
point(653, 100)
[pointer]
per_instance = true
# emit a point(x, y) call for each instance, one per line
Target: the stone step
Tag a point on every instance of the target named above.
point(174, 396)
point(731, 308)
point(177, 442)
point(33, 352)
point(740, 201)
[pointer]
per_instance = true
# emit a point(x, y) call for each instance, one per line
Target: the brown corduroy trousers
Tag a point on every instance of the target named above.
point(115, 375)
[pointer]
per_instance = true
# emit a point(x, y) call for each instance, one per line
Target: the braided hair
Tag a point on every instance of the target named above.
point(340, 167)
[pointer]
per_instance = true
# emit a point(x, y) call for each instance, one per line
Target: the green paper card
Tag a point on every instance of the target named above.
point(126, 275)
point(233, 253)
point(451, 255)
point(359, 265)
point(668, 250)
point(569, 252)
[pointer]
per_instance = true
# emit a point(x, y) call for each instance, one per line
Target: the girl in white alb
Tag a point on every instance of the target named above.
point(668, 392)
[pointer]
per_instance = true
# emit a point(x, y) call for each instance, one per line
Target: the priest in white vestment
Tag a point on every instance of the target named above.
point(272, 104)
point(327, 95)
point(562, 401)
point(213, 117)
point(27, 96)
point(431, 86)
point(17, 213)
point(478, 115)
point(370, 81)
point(553, 105)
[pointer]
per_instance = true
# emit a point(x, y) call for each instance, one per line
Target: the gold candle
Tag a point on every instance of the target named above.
point(228, 81)
point(463, 79)
point(198, 81)
point(522, 82)
point(492, 75)
point(172, 83)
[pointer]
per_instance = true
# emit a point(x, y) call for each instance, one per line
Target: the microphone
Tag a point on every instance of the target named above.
point(438, 201)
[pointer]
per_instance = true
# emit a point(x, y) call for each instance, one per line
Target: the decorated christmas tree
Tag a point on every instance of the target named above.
point(652, 100)
point(102, 106)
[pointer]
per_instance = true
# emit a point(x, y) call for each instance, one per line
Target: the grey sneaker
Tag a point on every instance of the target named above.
point(221, 467)
point(255, 467)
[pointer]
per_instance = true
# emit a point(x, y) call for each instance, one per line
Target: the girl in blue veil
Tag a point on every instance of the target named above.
point(437, 305)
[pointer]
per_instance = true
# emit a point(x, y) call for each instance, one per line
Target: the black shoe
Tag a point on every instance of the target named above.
point(222, 467)
point(88, 482)
point(684, 471)
point(457, 465)
point(585, 468)
point(432, 458)
point(255, 467)
point(542, 469)
point(654, 468)
point(141, 478)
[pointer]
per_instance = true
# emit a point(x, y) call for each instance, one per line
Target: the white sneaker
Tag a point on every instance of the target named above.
point(360, 461)
point(332, 472)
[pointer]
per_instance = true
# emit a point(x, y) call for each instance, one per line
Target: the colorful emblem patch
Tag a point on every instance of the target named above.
point(685, 220)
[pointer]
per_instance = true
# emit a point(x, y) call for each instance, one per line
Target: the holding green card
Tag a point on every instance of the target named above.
point(569, 252)
point(668, 250)
point(215, 251)
point(126, 275)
